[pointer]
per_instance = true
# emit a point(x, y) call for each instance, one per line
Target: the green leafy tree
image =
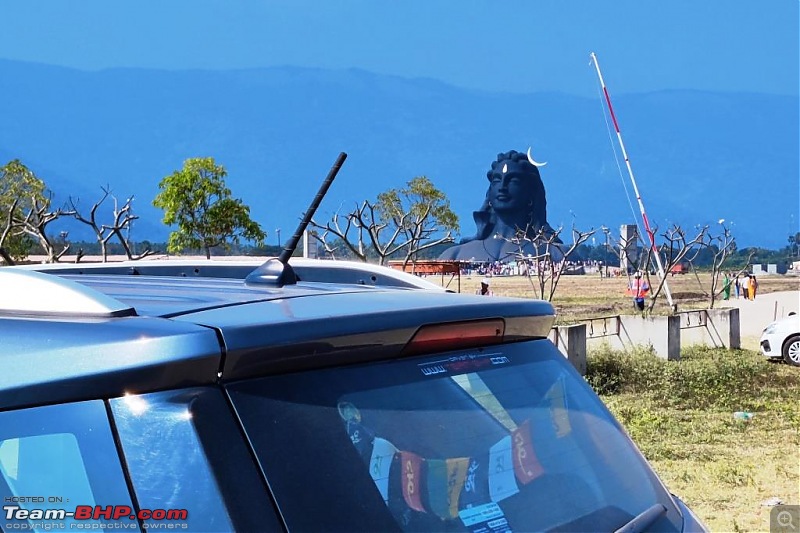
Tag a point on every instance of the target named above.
point(421, 213)
point(407, 221)
point(19, 190)
point(198, 202)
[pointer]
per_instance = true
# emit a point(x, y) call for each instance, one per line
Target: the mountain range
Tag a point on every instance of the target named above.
point(698, 157)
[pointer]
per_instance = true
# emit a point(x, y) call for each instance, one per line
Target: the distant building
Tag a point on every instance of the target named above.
point(628, 247)
point(760, 269)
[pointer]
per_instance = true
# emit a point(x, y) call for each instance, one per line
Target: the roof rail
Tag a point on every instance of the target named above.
point(27, 292)
point(307, 270)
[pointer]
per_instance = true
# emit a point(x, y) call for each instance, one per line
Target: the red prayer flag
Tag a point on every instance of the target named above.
point(526, 464)
point(410, 477)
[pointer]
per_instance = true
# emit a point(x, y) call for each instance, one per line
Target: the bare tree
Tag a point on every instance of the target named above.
point(329, 248)
point(102, 232)
point(361, 231)
point(639, 259)
point(677, 249)
point(680, 248)
point(34, 223)
point(404, 220)
point(794, 245)
point(545, 268)
point(122, 218)
point(350, 230)
point(722, 246)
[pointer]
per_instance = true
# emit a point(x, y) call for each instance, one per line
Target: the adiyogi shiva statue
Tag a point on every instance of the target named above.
point(513, 218)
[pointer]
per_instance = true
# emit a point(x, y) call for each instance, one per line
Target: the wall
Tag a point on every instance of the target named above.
point(718, 328)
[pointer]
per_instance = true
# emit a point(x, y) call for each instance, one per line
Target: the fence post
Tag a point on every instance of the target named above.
point(571, 342)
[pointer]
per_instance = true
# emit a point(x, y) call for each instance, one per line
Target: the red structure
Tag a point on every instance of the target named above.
point(433, 268)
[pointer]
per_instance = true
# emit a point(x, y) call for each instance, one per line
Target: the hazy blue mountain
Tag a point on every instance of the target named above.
point(698, 157)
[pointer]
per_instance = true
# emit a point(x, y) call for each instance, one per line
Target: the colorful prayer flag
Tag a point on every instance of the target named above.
point(380, 463)
point(559, 412)
point(411, 479)
point(476, 484)
point(526, 464)
point(501, 471)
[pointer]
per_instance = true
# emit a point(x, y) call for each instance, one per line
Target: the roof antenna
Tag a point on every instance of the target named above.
point(277, 271)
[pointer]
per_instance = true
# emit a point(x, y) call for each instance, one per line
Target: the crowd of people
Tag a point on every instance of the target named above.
point(744, 285)
point(520, 268)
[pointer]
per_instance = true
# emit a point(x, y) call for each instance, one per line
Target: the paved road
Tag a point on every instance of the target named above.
point(755, 315)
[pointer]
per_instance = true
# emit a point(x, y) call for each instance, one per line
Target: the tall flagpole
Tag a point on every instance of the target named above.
point(633, 181)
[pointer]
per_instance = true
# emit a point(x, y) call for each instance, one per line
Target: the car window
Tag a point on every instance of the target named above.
point(54, 459)
point(507, 437)
point(185, 452)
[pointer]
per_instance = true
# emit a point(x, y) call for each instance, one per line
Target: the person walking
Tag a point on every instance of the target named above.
point(726, 286)
point(737, 285)
point(753, 286)
point(746, 287)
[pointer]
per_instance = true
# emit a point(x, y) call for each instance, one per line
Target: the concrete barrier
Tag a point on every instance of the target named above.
point(719, 328)
point(571, 342)
point(662, 333)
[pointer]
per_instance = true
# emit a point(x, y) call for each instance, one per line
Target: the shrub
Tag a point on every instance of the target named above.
point(611, 371)
point(704, 377)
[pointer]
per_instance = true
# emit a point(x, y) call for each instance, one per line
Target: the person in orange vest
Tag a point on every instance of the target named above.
point(638, 288)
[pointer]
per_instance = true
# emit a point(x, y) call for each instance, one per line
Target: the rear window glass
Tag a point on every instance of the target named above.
point(503, 439)
point(184, 451)
point(54, 459)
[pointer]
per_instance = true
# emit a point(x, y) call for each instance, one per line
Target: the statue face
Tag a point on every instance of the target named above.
point(509, 191)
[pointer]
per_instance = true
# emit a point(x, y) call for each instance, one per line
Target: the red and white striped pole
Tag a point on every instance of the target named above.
point(633, 181)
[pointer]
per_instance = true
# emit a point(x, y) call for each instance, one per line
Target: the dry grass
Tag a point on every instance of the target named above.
point(722, 468)
point(681, 417)
point(587, 296)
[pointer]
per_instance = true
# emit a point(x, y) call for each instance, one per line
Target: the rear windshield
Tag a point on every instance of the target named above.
point(507, 438)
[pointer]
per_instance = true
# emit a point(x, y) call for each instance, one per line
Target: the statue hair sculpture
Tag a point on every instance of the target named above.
point(515, 202)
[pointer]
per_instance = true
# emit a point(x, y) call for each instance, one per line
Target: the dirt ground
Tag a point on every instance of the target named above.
point(592, 296)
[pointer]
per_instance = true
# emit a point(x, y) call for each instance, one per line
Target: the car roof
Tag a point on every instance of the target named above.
point(318, 270)
point(173, 287)
point(154, 332)
point(167, 296)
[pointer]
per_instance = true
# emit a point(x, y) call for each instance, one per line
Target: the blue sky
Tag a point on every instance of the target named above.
point(519, 46)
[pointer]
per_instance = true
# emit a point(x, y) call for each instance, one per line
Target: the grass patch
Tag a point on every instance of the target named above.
point(680, 414)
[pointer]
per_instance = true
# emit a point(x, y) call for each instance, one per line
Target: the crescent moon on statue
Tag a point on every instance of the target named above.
point(534, 163)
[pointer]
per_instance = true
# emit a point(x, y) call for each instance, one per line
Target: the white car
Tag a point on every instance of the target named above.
point(782, 339)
